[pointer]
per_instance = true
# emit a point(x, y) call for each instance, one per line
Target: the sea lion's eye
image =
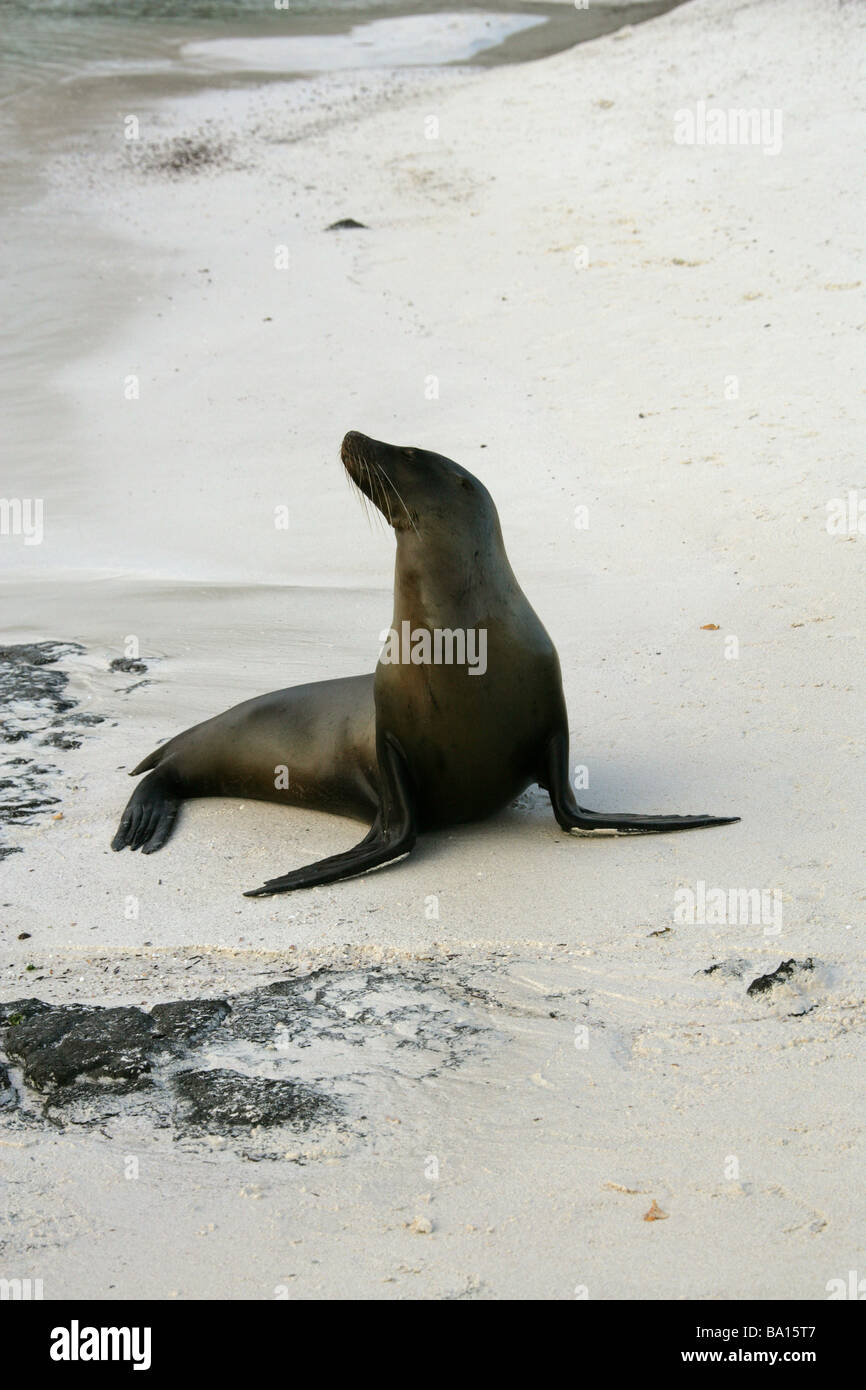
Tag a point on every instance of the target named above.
point(464, 482)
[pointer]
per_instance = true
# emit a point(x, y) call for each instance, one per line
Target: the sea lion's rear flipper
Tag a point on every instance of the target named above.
point(150, 814)
point(574, 817)
point(390, 837)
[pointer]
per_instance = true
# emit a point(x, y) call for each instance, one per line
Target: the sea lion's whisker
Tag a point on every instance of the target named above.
point(372, 485)
point(383, 503)
point(363, 496)
point(396, 491)
point(354, 484)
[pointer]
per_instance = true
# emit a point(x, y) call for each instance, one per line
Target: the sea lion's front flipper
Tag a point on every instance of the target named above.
point(390, 837)
point(574, 817)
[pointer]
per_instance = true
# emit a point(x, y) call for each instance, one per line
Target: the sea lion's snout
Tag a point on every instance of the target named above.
point(350, 455)
point(353, 443)
point(359, 454)
point(366, 462)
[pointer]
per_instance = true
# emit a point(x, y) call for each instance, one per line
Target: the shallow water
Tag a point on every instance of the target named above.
point(57, 40)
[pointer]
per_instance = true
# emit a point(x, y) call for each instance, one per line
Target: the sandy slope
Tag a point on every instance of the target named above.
point(561, 385)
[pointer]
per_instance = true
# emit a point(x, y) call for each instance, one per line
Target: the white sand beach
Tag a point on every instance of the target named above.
point(648, 351)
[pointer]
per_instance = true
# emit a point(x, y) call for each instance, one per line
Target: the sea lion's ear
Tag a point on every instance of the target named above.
point(464, 482)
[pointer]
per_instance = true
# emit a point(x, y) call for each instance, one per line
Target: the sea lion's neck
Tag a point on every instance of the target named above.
point(443, 580)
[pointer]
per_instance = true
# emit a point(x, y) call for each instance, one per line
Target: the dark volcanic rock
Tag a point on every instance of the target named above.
point(347, 224)
point(221, 1099)
point(93, 1103)
point(290, 1054)
point(94, 1064)
point(18, 1011)
point(130, 664)
point(186, 1019)
point(62, 1044)
point(8, 1097)
point(783, 972)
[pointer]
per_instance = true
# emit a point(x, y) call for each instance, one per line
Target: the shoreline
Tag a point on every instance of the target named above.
point(66, 188)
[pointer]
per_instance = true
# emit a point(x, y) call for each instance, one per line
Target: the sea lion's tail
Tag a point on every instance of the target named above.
point(150, 814)
point(152, 760)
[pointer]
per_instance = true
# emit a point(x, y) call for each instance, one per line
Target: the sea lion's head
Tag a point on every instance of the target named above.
point(416, 491)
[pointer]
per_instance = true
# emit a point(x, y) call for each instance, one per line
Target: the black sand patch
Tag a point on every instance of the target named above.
point(33, 697)
point(733, 969)
point(785, 971)
point(39, 714)
point(184, 155)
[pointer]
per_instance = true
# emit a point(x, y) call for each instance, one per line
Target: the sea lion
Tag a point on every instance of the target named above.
point(419, 744)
